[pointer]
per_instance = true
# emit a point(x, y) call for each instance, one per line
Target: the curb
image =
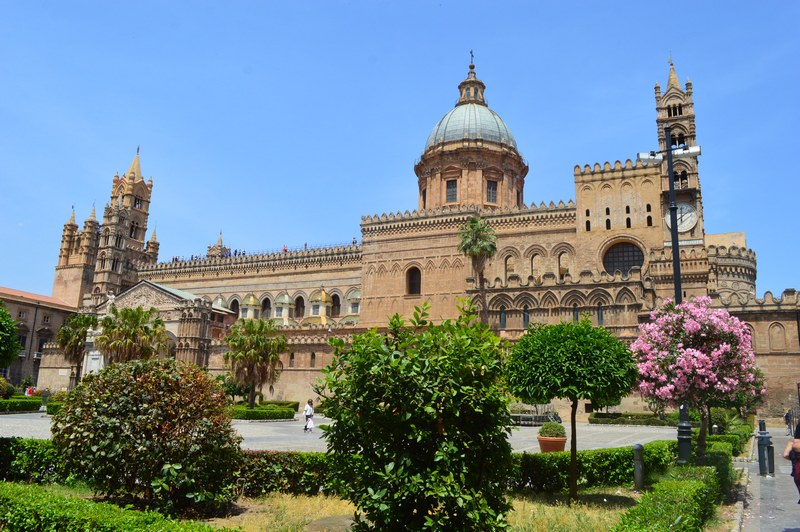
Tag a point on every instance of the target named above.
point(738, 519)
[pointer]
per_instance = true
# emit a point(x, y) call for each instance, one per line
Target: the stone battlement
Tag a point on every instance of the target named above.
point(276, 259)
point(588, 170)
point(789, 300)
point(462, 209)
point(731, 251)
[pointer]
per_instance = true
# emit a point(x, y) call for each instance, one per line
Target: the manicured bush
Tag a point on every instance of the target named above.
point(705, 474)
point(551, 429)
point(242, 412)
point(20, 405)
point(157, 430)
point(627, 418)
point(6, 389)
point(672, 505)
point(286, 472)
point(53, 408)
point(32, 508)
point(31, 460)
point(548, 472)
point(719, 455)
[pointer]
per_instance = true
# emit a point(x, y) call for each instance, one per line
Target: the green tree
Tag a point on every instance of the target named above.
point(420, 439)
point(9, 338)
point(155, 430)
point(479, 243)
point(254, 354)
point(131, 333)
point(71, 338)
point(574, 361)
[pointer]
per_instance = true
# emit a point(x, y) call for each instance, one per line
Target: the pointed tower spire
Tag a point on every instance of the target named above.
point(219, 240)
point(153, 236)
point(92, 215)
point(673, 77)
point(471, 89)
point(71, 220)
point(134, 173)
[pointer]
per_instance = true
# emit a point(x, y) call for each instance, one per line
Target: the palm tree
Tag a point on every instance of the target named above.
point(254, 355)
point(478, 242)
point(132, 333)
point(71, 338)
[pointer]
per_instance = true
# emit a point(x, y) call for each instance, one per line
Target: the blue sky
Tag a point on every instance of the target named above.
point(282, 123)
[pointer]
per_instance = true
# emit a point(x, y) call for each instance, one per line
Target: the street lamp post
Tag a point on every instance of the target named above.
point(684, 426)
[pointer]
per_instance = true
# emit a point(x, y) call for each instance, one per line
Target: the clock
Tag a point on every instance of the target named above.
point(687, 217)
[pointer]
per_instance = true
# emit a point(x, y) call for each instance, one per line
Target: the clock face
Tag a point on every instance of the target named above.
point(687, 217)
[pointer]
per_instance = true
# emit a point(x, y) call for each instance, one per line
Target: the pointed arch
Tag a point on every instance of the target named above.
point(396, 269)
point(458, 264)
point(599, 296)
point(500, 300)
point(444, 265)
point(625, 297)
point(573, 297)
point(382, 271)
point(429, 266)
point(549, 300)
point(777, 337)
point(525, 299)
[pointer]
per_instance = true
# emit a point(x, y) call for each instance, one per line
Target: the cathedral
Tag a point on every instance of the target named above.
point(607, 254)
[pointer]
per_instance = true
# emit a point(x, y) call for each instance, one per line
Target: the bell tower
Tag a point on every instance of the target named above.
point(675, 108)
point(122, 240)
point(76, 259)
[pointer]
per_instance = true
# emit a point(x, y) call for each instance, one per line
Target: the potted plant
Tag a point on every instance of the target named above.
point(552, 437)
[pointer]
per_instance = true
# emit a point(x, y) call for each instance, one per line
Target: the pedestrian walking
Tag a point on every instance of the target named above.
point(308, 412)
point(792, 452)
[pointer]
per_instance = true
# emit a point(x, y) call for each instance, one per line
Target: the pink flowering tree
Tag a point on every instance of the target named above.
point(703, 357)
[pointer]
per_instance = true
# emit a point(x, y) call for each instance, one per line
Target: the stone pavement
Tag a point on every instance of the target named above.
point(772, 501)
point(289, 436)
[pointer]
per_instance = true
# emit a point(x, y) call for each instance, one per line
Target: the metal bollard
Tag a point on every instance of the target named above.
point(771, 459)
point(638, 466)
point(764, 441)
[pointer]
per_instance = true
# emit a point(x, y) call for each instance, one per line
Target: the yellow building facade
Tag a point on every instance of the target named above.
point(607, 253)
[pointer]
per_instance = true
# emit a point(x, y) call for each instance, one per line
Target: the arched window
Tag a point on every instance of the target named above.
point(413, 281)
point(622, 257)
point(299, 307)
point(509, 266)
point(536, 264)
point(235, 307)
point(684, 179)
point(608, 223)
point(313, 361)
point(563, 264)
point(648, 208)
point(291, 360)
point(502, 318)
point(588, 226)
point(336, 306)
point(133, 230)
point(600, 314)
point(575, 315)
point(526, 317)
point(681, 140)
point(266, 308)
point(649, 221)
point(587, 212)
point(777, 337)
point(628, 223)
point(608, 211)
point(627, 209)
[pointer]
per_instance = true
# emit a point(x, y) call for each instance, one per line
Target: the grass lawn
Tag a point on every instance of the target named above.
point(597, 509)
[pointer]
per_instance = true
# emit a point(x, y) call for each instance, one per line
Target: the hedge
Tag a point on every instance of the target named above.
point(549, 472)
point(32, 508)
point(30, 460)
point(274, 412)
point(287, 472)
point(20, 405)
point(53, 408)
point(672, 505)
point(635, 418)
point(719, 455)
point(294, 405)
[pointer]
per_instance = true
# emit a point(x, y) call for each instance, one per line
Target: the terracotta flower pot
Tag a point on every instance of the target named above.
point(551, 445)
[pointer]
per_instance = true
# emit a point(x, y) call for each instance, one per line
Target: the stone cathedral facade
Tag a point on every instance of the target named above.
point(608, 253)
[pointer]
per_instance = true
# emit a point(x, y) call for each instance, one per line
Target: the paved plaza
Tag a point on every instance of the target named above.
point(289, 436)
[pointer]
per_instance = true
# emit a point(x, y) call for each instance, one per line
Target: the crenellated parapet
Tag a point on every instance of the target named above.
point(241, 264)
point(788, 302)
point(732, 272)
point(446, 218)
point(598, 171)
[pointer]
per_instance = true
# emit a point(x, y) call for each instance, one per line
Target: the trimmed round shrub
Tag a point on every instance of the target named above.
point(551, 429)
point(151, 431)
point(6, 389)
